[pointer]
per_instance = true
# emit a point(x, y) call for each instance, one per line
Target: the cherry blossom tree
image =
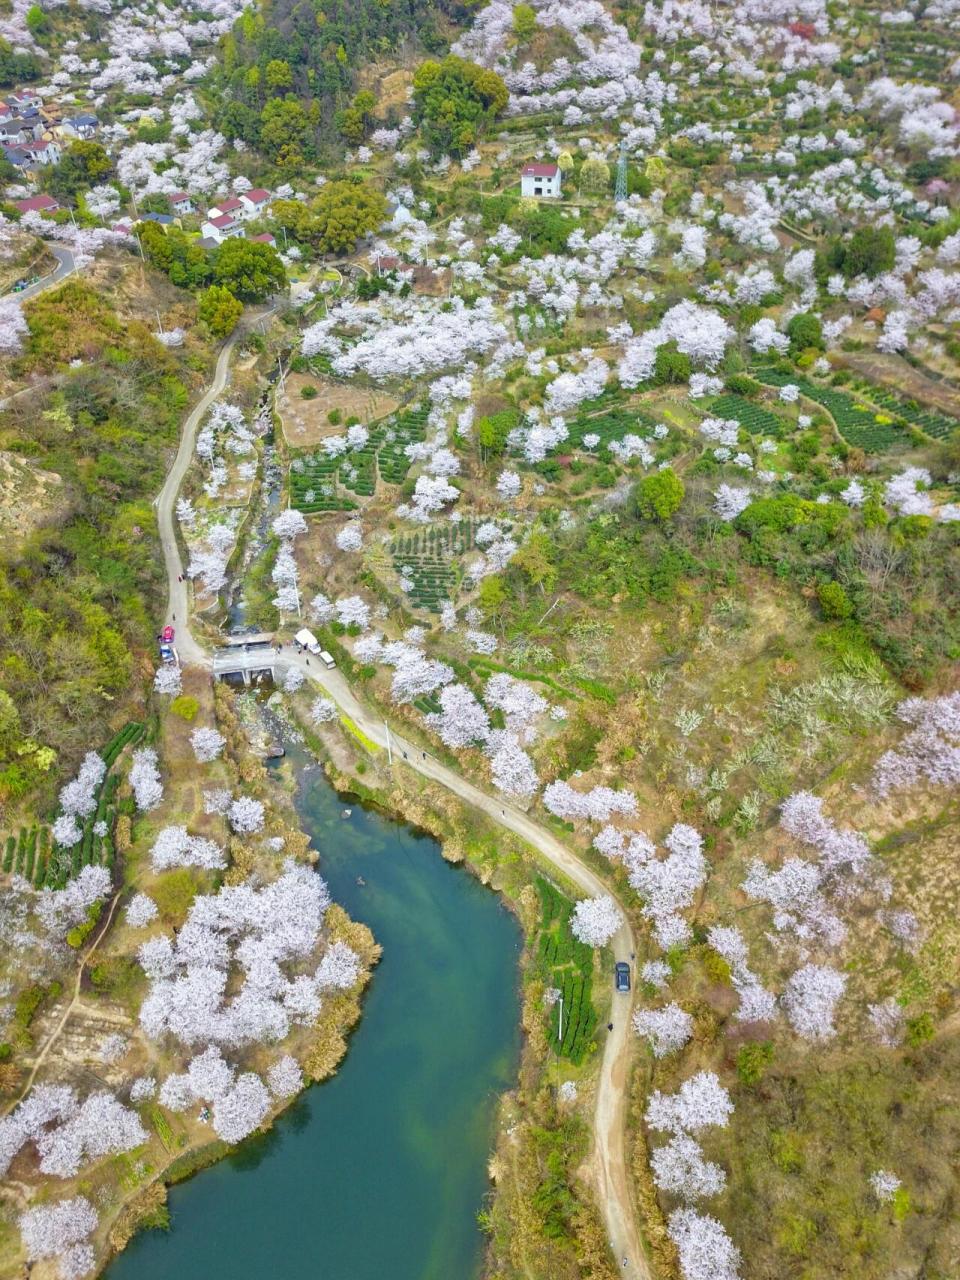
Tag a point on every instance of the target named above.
point(595, 920)
point(680, 1169)
point(246, 815)
point(207, 744)
point(700, 1103)
point(667, 1029)
point(61, 1231)
point(141, 911)
point(810, 998)
point(145, 779)
point(706, 1251)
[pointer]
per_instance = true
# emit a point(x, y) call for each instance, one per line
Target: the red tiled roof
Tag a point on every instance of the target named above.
point(37, 204)
point(263, 238)
point(225, 206)
point(222, 221)
point(541, 170)
point(258, 195)
point(178, 197)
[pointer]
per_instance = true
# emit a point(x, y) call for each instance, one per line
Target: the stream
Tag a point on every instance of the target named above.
point(378, 1173)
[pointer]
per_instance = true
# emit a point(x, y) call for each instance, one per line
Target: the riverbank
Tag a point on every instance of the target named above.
point(382, 1171)
point(540, 1216)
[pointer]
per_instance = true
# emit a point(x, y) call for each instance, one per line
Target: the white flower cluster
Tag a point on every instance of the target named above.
point(61, 1231)
point(68, 1134)
point(666, 885)
point(667, 1029)
point(929, 752)
point(145, 779)
point(207, 744)
point(174, 847)
point(595, 920)
point(255, 932)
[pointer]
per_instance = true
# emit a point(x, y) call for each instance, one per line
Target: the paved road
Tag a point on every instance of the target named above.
point(65, 267)
point(178, 606)
point(613, 1187)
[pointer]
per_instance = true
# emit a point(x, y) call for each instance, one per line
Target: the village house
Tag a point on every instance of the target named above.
point(231, 208)
point(82, 126)
point(221, 227)
point(180, 203)
point(255, 202)
point(540, 181)
point(37, 204)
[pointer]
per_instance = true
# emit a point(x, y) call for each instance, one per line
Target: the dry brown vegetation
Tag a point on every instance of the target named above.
point(305, 422)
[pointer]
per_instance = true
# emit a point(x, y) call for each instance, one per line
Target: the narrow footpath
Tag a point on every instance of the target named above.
point(610, 1118)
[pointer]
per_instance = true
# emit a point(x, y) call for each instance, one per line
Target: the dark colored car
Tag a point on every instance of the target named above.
point(621, 976)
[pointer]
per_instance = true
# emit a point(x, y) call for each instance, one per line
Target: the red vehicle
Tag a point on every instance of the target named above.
point(167, 635)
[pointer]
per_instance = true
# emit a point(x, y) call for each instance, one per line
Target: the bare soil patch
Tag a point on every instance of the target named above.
point(305, 422)
point(29, 497)
point(894, 372)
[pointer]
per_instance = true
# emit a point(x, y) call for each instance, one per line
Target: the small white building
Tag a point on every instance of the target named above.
point(221, 228)
point(254, 203)
point(542, 181)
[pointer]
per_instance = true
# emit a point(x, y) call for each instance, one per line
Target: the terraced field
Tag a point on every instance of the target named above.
point(428, 558)
point(320, 483)
point(754, 417)
point(860, 424)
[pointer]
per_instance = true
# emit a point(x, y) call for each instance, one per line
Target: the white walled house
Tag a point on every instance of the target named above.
point(541, 181)
point(221, 228)
point(254, 203)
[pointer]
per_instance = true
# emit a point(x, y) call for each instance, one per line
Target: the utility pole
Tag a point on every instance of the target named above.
point(620, 192)
point(283, 388)
point(389, 749)
point(159, 323)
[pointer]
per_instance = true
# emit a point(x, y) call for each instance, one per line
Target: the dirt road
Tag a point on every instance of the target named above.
point(613, 1187)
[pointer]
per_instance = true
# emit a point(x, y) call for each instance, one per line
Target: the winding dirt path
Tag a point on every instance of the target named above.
point(610, 1157)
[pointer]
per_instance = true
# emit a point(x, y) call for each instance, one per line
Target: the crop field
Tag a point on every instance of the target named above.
point(754, 417)
point(860, 424)
point(31, 853)
point(932, 423)
point(610, 424)
point(319, 483)
point(428, 557)
point(566, 965)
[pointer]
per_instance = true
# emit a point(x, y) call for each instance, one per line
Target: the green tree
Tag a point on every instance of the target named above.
point(671, 365)
point(535, 561)
point(219, 310)
point(250, 271)
point(278, 75)
point(869, 252)
point(82, 165)
point(454, 101)
point(834, 601)
point(17, 67)
point(37, 21)
point(804, 331)
point(492, 431)
point(658, 496)
point(524, 21)
point(284, 129)
point(595, 174)
point(345, 211)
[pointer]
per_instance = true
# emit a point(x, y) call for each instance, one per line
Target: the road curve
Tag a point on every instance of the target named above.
point(66, 266)
point(610, 1116)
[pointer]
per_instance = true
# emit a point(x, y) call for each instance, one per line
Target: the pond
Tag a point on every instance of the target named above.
point(378, 1173)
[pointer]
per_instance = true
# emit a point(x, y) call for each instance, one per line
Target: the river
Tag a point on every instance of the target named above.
point(378, 1173)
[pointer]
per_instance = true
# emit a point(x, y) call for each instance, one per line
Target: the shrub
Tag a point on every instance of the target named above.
point(185, 707)
point(753, 1060)
point(309, 392)
point(658, 496)
point(834, 601)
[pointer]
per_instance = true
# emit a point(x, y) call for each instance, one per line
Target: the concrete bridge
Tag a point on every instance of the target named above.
point(249, 656)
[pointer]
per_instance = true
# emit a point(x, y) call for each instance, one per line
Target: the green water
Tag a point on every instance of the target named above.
point(378, 1173)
